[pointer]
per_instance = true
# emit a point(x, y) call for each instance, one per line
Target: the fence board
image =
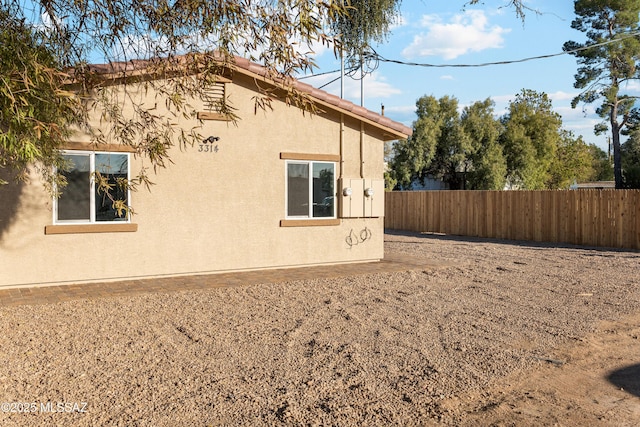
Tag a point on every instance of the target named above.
point(609, 218)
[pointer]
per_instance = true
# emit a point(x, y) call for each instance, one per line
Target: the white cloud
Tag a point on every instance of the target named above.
point(584, 126)
point(632, 86)
point(501, 103)
point(562, 96)
point(48, 22)
point(575, 113)
point(401, 109)
point(466, 32)
point(446, 77)
point(375, 86)
point(315, 50)
point(580, 120)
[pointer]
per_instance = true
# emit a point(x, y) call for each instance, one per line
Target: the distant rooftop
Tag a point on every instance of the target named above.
point(594, 185)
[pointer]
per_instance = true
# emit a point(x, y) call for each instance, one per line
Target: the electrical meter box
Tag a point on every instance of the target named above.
point(361, 198)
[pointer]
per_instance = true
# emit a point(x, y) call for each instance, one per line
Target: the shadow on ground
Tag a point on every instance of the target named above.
point(522, 243)
point(627, 378)
point(9, 200)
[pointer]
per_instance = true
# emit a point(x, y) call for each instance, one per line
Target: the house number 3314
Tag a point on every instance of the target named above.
point(207, 145)
point(206, 148)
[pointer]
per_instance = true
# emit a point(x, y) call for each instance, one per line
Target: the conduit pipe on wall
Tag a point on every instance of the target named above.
point(362, 149)
point(341, 144)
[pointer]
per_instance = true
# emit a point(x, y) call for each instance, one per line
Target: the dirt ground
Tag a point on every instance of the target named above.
point(512, 334)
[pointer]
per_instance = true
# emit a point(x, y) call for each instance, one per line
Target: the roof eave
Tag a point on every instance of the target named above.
point(332, 102)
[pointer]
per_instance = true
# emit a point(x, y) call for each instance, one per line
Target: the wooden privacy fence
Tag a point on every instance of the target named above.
point(608, 218)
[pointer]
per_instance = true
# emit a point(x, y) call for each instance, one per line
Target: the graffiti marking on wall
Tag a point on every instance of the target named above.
point(354, 238)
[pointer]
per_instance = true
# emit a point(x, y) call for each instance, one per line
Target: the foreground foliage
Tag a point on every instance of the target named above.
point(35, 110)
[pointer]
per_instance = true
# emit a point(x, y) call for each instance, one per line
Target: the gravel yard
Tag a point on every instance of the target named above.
point(512, 334)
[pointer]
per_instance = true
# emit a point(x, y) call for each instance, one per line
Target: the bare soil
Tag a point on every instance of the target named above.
point(513, 334)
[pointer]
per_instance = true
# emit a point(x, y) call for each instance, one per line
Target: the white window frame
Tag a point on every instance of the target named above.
point(92, 190)
point(309, 216)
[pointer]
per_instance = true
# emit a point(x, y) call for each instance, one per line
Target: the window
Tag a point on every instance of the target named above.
point(82, 201)
point(310, 189)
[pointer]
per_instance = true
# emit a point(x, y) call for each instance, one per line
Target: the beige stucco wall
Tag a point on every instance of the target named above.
point(208, 212)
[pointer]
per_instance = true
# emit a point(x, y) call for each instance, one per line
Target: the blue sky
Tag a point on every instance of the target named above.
point(444, 32)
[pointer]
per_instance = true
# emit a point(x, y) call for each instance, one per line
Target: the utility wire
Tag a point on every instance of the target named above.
point(328, 83)
point(376, 56)
point(316, 75)
point(348, 72)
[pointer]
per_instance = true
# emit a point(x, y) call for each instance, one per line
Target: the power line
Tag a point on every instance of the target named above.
point(316, 75)
point(328, 83)
point(348, 72)
point(376, 56)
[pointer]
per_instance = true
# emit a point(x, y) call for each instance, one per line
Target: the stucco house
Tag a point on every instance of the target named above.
point(277, 189)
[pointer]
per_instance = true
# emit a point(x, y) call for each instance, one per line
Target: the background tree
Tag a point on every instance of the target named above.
point(572, 163)
point(390, 181)
point(630, 153)
point(449, 162)
point(527, 148)
point(485, 165)
point(611, 27)
point(462, 151)
point(414, 155)
point(530, 139)
point(602, 167)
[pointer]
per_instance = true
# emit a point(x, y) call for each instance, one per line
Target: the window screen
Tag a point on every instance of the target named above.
point(310, 189)
point(81, 200)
